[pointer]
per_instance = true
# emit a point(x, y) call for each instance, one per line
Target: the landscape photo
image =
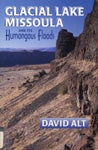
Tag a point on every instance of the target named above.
point(48, 69)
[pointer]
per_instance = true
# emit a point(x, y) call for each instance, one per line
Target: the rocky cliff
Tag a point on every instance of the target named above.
point(86, 84)
point(87, 43)
point(65, 43)
point(82, 67)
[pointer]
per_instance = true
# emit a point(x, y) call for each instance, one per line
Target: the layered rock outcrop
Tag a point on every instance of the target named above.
point(84, 87)
point(87, 43)
point(65, 43)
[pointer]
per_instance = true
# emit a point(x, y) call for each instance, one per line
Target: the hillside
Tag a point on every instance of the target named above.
point(69, 89)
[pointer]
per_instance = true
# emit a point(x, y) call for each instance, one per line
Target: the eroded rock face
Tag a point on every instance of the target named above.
point(87, 43)
point(85, 88)
point(65, 43)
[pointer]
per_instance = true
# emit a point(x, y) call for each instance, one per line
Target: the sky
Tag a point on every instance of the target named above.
point(73, 24)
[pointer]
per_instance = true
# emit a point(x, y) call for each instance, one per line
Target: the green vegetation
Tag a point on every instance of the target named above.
point(36, 76)
point(63, 89)
point(40, 74)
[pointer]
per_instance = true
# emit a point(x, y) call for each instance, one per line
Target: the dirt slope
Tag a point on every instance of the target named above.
point(22, 107)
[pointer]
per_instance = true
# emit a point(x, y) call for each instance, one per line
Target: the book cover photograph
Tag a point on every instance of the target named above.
point(49, 75)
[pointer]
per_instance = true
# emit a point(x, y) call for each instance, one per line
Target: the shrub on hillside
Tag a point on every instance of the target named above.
point(63, 89)
point(40, 74)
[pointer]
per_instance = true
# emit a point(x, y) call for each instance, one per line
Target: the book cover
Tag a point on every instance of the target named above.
point(48, 75)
